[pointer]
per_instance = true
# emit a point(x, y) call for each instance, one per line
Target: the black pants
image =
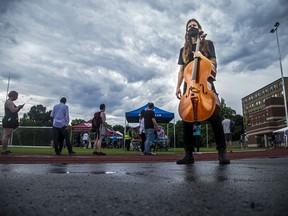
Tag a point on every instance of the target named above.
point(143, 139)
point(127, 144)
point(61, 132)
point(216, 123)
point(197, 141)
point(61, 141)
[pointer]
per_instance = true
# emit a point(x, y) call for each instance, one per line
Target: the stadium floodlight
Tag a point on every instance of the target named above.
point(277, 24)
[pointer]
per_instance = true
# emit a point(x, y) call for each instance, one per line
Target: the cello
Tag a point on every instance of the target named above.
point(199, 102)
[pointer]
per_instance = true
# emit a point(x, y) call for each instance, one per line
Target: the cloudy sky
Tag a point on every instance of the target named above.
point(124, 53)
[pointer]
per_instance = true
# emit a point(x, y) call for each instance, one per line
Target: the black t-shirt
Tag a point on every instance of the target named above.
point(148, 123)
point(211, 53)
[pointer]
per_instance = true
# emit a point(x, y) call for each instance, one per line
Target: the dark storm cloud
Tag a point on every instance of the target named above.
point(252, 27)
point(125, 53)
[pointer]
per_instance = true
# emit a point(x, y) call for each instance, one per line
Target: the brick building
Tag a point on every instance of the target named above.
point(264, 112)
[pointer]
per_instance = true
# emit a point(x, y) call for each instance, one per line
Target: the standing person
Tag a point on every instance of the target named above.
point(10, 121)
point(197, 135)
point(60, 115)
point(100, 132)
point(286, 138)
point(150, 124)
point(142, 130)
point(128, 137)
point(273, 141)
point(115, 140)
point(187, 54)
point(242, 140)
point(226, 123)
point(246, 140)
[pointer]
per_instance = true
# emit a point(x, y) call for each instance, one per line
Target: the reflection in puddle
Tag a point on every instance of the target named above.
point(102, 172)
point(64, 171)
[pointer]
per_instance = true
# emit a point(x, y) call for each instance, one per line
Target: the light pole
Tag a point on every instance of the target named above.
point(283, 82)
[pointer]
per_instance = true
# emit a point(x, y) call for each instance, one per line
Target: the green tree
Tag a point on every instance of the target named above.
point(119, 128)
point(37, 116)
point(77, 121)
point(226, 110)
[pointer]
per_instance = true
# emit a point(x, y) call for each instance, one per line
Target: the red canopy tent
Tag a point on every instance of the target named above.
point(87, 126)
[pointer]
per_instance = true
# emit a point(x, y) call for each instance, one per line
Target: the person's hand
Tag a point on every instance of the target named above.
point(21, 106)
point(178, 93)
point(198, 54)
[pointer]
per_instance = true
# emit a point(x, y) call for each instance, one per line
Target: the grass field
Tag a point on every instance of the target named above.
point(82, 151)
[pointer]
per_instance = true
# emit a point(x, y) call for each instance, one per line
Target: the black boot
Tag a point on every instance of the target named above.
point(222, 157)
point(188, 158)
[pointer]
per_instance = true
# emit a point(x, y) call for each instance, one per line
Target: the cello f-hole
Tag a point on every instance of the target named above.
point(203, 89)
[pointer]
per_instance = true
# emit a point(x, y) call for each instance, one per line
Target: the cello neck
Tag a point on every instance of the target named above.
point(195, 65)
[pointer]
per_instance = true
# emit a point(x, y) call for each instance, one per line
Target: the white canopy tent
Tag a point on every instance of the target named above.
point(282, 130)
point(285, 132)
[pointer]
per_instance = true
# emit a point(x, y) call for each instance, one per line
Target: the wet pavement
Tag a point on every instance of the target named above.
point(245, 187)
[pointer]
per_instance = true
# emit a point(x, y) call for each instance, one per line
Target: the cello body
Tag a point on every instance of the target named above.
point(199, 102)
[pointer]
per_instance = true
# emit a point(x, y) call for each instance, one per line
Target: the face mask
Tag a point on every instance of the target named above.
point(193, 32)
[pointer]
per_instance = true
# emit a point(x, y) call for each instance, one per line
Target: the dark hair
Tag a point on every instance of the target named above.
point(194, 21)
point(63, 100)
point(187, 50)
point(142, 113)
point(13, 94)
point(102, 106)
point(151, 105)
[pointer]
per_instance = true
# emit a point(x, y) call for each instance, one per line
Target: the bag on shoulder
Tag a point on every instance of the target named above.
point(96, 121)
point(232, 126)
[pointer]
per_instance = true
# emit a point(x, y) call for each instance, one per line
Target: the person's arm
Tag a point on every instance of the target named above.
point(214, 62)
point(10, 105)
point(66, 116)
point(103, 116)
point(179, 81)
point(155, 124)
point(214, 67)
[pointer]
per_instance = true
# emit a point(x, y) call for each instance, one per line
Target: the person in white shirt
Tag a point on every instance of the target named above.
point(85, 139)
point(227, 130)
point(60, 115)
point(142, 130)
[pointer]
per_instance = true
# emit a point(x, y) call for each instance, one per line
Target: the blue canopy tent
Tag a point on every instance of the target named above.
point(162, 116)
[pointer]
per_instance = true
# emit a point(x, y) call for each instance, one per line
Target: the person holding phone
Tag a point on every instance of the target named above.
point(10, 121)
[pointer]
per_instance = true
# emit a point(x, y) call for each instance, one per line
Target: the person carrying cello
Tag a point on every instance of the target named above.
point(187, 55)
